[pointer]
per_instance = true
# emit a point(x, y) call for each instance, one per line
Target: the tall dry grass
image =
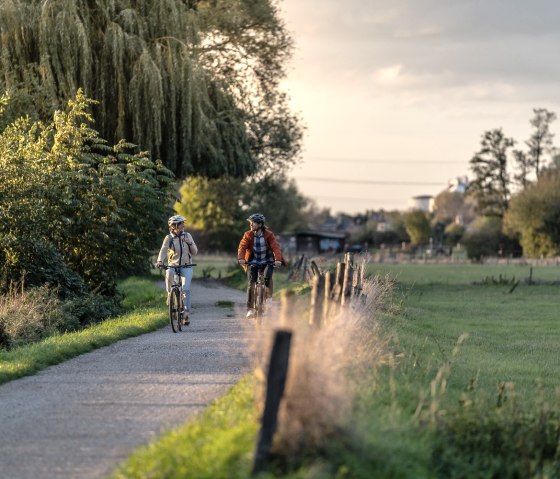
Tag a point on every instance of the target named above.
point(324, 365)
point(28, 315)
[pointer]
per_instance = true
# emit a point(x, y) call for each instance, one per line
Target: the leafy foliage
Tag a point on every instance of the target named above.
point(534, 215)
point(219, 208)
point(74, 205)
point(472, 443)
point(417, 226)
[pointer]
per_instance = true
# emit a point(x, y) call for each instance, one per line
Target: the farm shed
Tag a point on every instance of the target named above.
point(313, 242)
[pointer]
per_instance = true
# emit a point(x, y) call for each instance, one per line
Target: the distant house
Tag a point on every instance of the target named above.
point(421, 202)
point(458, 184)
point(313, 242)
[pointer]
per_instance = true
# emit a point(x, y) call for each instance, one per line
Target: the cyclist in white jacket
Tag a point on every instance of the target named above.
point(179, 248)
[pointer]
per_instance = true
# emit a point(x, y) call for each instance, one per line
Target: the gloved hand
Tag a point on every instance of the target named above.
point(241, 261)
point(277, 264)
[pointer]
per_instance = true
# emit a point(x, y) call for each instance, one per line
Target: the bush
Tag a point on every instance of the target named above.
point(63, 188)
point(485, 238)
point(473, 444)
point(35, 263)
point(89, 309)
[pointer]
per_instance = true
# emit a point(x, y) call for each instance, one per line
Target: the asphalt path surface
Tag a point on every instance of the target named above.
point(81, 418)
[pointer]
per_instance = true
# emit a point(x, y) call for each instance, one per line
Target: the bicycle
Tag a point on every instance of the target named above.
point(176, 305)
point(260, 289)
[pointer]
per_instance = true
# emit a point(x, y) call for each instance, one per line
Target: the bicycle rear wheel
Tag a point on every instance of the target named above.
point(175, 310)
point(259, 299)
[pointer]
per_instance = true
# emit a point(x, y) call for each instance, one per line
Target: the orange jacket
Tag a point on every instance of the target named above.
point(245, 249)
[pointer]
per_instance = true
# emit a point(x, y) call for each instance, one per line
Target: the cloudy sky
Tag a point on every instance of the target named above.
point(396, 94)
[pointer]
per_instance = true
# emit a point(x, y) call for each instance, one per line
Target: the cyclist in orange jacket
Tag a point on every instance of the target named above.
point(260, 247)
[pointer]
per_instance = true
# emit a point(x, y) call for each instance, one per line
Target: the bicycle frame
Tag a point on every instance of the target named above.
point(176, 305)
point(260, 288)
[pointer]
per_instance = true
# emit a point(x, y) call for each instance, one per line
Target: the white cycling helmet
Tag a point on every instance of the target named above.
point(175, 219)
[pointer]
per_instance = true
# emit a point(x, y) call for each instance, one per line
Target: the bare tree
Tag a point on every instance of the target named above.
point(540, 141)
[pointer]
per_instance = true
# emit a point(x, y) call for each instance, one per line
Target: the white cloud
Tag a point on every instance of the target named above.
point(388, 75)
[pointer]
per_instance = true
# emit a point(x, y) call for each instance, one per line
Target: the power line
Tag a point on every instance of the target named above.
point(351, 198)
point(369, 182)
point(379, 160)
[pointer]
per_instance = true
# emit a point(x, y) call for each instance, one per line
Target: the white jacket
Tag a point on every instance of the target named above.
point(178, 250)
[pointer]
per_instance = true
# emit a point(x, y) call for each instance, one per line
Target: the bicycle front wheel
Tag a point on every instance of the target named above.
point(175, 310)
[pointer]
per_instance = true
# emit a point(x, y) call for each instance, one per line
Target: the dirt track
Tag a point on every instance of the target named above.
point(79, 419)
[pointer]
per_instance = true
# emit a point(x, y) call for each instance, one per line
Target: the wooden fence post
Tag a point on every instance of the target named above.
point(296, 267)
point(327, 300)
point(317, 299)
point(339, 280)
point(347, 284)
point(315, 268)
point(276, 380)
point(286, 307)
point(358, 282)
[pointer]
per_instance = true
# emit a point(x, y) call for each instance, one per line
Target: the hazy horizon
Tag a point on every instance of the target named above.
point(395, 96)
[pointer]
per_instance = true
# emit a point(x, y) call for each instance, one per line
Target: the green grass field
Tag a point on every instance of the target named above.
point(510, 335)
point(464, 273)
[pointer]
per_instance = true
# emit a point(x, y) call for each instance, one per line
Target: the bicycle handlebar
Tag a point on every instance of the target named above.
point(166, 266)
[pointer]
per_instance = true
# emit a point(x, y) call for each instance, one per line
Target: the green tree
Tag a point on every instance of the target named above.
point(215, 209)
point(417, 227)
point(491, 185)
point(279, 200)
point(218, 208)
point(534, 215)
point(194, 82)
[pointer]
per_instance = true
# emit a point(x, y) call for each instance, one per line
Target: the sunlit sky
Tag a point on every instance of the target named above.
point(396, 94)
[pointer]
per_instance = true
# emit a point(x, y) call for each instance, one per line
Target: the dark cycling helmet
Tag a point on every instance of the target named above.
point(257, 218)
point(175, 220)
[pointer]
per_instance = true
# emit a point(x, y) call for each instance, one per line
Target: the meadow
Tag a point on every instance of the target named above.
point(506, 335)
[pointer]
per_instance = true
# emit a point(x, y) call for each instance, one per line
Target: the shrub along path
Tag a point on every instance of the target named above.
point(79, 419)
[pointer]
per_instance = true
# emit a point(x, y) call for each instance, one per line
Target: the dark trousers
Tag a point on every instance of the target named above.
point(252, 275)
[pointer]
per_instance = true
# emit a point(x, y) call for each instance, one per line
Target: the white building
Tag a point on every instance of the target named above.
point(422, 203)
point(458, 184)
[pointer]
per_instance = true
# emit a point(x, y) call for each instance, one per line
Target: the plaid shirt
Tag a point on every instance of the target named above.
point(260, 253)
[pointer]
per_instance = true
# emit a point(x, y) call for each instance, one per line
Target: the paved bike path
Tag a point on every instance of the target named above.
point(79, 419)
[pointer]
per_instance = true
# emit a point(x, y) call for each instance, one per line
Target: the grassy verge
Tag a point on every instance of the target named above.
point(217, 444)
point(146, 314)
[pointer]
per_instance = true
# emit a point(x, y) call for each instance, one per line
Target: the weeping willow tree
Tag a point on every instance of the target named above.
point(196, 82)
